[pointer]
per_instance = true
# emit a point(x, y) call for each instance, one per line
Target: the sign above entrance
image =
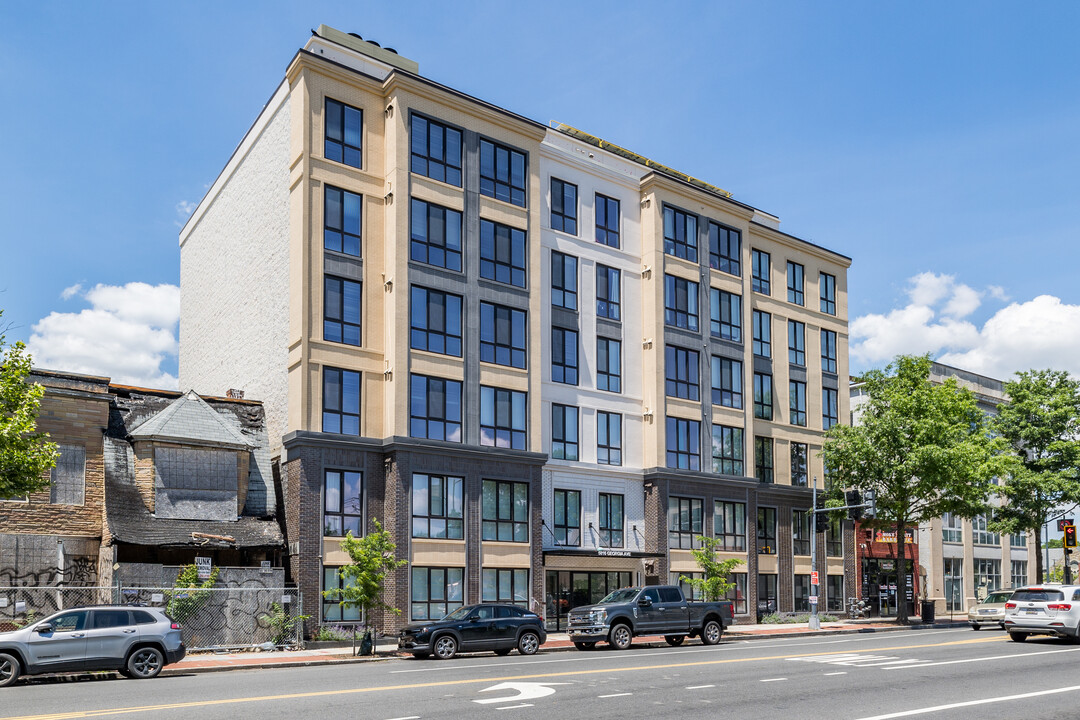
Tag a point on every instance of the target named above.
point(889, 536)
point(608, 552)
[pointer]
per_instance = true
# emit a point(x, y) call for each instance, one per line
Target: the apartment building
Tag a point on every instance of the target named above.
point(465, 324)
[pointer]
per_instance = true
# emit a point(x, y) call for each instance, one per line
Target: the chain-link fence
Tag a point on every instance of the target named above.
point(211, 619)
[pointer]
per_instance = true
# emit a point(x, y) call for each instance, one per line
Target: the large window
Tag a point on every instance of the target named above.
point(438, 507)
point(759, 272)
point(341, 401)
point(762, 333)
point(563, 280)
point(680, 234)
point(828, 351)
point(729, 525)
point(503, 416)
point(505, 511)
point(506, 585)
point(987, 576)
point(435, 322)
point(563, 206)
point(802, 593)
point(724, 249)
point(797, 402)
point(502, 173)
point(726, 382)
point(1019, 573)
point(801, 522)
point(953, 574)
point(435, 235)
point(607, 292)
point(1018, 540)
point(834, 593)
point(332, 608)
point(795, 283)
point(796, 340)
point(725, 315)
point(766, 530)
point(763, 403)
point(344, 129)
point(952, 528)
point(502, 335)
point(436, 150)
point(737, 594)
point(980, 531)
point(608, 365)
point(341, 310)
point(727, 450)
point(435, 408)
point(828, 293)
point(798, 464)
point(343, 503)
point(763, 459)
point(607, 221)
point(341, 220)
point(685, 522)
point(502, 253)
point(611, 520)
point(608, 438)
point(564, 356)
point(681, 373)
point(680, 302)
point(830, 411)
point(564, 432)
point(834, 538)
point(67, 483)
point(568, 517)
point(683, 444)
point(436, 592)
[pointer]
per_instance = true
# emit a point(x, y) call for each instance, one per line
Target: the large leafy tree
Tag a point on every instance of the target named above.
point(25, 454)
point(1042, 422)
point(922, 447)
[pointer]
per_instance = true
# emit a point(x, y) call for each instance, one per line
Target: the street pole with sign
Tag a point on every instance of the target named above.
point(815, 621)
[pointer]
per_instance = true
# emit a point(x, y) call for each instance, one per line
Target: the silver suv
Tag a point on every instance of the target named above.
point(136, 641)
point(1047, 609)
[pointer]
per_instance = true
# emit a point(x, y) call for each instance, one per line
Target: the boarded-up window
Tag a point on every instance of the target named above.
point(68, 482)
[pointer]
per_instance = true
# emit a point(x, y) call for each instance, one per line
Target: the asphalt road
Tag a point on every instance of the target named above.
point(920, 673)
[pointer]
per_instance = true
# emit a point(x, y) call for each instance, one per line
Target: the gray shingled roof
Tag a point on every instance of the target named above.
point(190, 420)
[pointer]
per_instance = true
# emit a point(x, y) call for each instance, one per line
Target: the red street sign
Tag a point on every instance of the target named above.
point(813, 577)
point(1063, 522)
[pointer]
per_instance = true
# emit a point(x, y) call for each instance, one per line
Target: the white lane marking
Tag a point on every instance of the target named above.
point(982, 659)
point(614, 695)
point(411, 717)
point(515, 707)
point(969, 703)
point(773, 679)
point(842, 672)
point(699, 687)
point(523, 690)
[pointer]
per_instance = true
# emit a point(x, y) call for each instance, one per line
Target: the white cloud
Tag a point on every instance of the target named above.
point(183, 211)
point(997, 292)
point(963, 302)
point(70, 292)
point(126, 334)
point(929, 288)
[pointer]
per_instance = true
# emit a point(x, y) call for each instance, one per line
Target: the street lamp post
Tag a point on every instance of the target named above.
point(815, 621)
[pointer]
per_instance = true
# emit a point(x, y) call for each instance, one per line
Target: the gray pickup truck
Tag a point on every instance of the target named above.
point(653, 610)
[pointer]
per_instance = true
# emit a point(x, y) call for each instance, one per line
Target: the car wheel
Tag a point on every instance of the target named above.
point(421, 655)
point(620, 637)
point(1018, 637)
point(674, 640)
point(145, 663)
point(445, 647)
point(585, 645)
point(503, 651)
point(711, 633)
point(528, 643)
point(974, 626)
point(9, 669)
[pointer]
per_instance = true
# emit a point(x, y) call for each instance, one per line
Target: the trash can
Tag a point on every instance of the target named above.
point(927, 613)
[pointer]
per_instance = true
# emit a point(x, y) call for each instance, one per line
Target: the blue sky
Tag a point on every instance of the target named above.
point(934, 143)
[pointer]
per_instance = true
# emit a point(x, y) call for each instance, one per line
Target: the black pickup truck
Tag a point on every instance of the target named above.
point(653, 610)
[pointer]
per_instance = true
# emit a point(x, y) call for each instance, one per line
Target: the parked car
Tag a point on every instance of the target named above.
point(991, 611)
point(137, 641)
point(1047, 609)
point(486, 626)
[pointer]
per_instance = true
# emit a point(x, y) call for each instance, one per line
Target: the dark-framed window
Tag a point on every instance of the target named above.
point(435, 323)
point(568, 517)
point(342, 215)
point(686, 522)
point(438, 507)
point(505, 511)
point(436, 150)
point(563, 280)
point(802, 593)
point(341, 310)
point(762, 333)
point(341, 401)
point(796, 342)
point(797, 402)
point(607, 221)
point(725, 248)
point(607, 292)
point(759, 275)
point(608, 438)
point(502, 335)
point(766, 531)
point(766, 590)
point(332, 609)
point(801, 523)
point(505, 585)
point(795, 283)
point(683, 443)
point(435, 408)
point(564, 432)
point(729, 525)
point(502, 173)
point(611, 520)
point(502, 253)
point(727, 450)
point(830, 408)
point(564, 356)
point(344, 133)
point(763, 400)
point(343, 503)
point(834, 538)
point(503, 417)
point(681, 373)
point(563, 206)
point(828, 293)
point(435, 235)
point(680, 234)
point(799, 457)
point(436, 592)
point(608, 364)
point(726, 382)
point(828, 351)
point(725, 315)
point(763, 459)
point(834, 593)
point(737, 595)
point(680, 302)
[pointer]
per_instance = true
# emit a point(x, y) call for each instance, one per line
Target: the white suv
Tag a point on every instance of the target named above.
point(1047, 609)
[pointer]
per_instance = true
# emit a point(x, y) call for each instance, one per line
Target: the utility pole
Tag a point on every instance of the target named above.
point(815, 621)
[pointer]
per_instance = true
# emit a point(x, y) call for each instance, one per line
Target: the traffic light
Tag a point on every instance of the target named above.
point(870, 498)
point(1070, 536)
point(853, 497)
point(821, 518)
